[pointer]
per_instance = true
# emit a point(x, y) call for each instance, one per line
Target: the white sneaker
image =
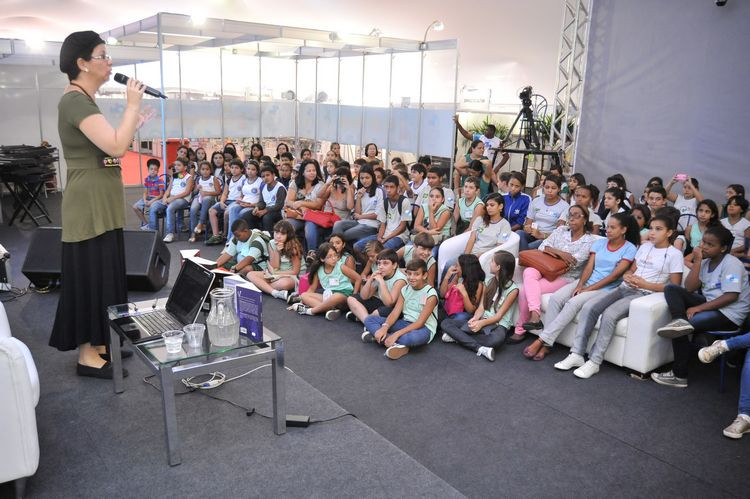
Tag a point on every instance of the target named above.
point(669, 379)
point(334, 314)
point(739, 427)
point(675, 329)
point(569, 362)
point(447, 339)
point(486, 352)
point(145, 227)
point(282, 294)
point(168, 238)
point(587, 370)
point(396, 351)
point(709, 353)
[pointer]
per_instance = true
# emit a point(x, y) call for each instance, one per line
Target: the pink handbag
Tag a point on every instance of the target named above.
point(454, 301)
point(304, 283)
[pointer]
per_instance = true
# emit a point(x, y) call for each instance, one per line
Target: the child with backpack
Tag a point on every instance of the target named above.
point(394, 233)
point(246, 251)
point(285, 263)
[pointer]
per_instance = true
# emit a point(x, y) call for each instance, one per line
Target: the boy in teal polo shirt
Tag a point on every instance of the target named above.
point(413, 321)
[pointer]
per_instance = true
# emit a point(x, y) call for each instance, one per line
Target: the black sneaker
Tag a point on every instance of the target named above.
point(351, 317)
point(104, 372)
point(293, 298)
point(533, 326)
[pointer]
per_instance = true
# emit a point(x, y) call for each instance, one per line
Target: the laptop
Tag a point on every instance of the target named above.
point(183, 306)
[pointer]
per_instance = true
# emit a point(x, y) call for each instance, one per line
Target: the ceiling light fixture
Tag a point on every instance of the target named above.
point(34, 43)
point(333, 36)
point(111, 40)
point(437, 26)
point(198, 19)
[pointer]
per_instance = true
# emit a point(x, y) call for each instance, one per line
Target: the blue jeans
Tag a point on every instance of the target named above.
point(199, 211)
point(527, 241)
point(311, 232)
point(236, 211)
point(353, 230)
point(415, 338)
point(491, 336)
point(159, 208)
point(738, 343)
point(394, 243)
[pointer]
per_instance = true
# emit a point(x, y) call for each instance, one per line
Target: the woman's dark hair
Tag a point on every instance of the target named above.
point(669, 222)
point(201, 149)
point(214, 154)
point(258, 147)
point(320, 255)
point(426, 160)
point(495, 197)
point(474, 144)
point(80, 44)
point(367, 170)
point(420, 168)
point(278, 154)
point(518, 176)
point(300, 180)
point(592, 190)
point(266, 159)
point(738, 189)
point(587, 225)
point(252, 162)
point(739, 201)
point(724, 235)
point(506, 265)
point(711, 205)
point(657, 180)
point(229, 148)
point(620, 179)
point(645, 211)
point(556, 168)
point(632, 232)
point(578, 178)
point(381, 171)
point(472, 275)
point(238, 162)
point(368, 146)
point(303, 151)
point(554, 178)
point(347, 246)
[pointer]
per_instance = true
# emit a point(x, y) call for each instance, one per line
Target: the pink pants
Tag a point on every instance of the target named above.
point(530, 296)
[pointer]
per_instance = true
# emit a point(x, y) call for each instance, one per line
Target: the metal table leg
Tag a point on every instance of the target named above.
point(170, 415)
point(279, 389)
point(116, 357)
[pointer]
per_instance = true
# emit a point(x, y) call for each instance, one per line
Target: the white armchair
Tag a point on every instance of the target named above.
point(453, 247)
point(19, 395)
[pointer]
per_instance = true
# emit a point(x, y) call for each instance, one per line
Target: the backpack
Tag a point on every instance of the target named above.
point(401, 198)
point(260, 241)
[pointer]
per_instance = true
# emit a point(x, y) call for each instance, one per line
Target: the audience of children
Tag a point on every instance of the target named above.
point(399, 308)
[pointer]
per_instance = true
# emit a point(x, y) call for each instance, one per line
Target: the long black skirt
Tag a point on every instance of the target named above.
point(93, 278)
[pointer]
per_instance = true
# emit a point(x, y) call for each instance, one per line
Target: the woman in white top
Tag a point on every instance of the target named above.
point(177, 197)
point(571, 244)
point(305, 193)
point(737, 224)
point(369, 210)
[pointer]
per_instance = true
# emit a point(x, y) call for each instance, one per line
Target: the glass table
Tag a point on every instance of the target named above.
point(191, 361)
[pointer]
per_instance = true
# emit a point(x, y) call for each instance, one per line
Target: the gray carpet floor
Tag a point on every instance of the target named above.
point(512, 428)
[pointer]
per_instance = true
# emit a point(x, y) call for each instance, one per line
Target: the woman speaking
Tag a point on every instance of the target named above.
point(93, 206)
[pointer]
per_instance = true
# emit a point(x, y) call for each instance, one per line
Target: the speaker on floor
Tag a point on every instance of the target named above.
point(146, 259)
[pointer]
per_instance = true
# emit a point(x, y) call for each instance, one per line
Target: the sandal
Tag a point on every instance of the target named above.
point(530, 351)
point(541, 354)
point(516, 338)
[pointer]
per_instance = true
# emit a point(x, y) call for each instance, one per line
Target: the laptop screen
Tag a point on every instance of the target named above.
point(189, 292)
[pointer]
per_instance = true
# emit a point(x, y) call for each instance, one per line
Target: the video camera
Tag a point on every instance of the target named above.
point(525, 96)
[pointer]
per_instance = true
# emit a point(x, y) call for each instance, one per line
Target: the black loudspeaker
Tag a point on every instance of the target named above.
point(146, 259)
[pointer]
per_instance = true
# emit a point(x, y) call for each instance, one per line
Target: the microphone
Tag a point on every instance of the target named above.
point(122, 79)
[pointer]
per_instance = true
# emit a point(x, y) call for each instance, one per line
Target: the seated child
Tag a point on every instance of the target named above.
point(434, 217)
point(208, 187)
point(329, 272)
point(246, 251)
point(736, 223)
point(722, 304)
point(657, 263)
point(153, 190)
point(469, 207)
point(489, 325)
point(422, 248)
point(394, 232)
point(413, 320)
point(285, 263)
point(380, 291)
point(706, 216)
point(463, 287)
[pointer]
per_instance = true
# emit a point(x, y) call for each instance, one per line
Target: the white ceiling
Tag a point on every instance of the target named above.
point(503, 44)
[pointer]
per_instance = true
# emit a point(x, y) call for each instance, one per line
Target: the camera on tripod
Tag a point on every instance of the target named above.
point(525, 96)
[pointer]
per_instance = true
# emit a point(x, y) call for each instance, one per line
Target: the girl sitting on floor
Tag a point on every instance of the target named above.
point(285, 263)
point(463, 287)
point(329, 272)
point(488, 326)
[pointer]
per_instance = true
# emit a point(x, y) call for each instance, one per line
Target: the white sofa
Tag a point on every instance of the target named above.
point(19, 395)
point(635, 344)
point(454, 247)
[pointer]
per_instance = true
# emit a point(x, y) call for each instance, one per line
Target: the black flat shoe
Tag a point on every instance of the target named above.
point(124, 354)
point(533, 326)
point(515, 338)
point(104, 372)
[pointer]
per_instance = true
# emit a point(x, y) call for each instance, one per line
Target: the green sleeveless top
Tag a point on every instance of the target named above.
point(93, 200)
point(336, 281)
point(446, 230)
point(466, 212)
